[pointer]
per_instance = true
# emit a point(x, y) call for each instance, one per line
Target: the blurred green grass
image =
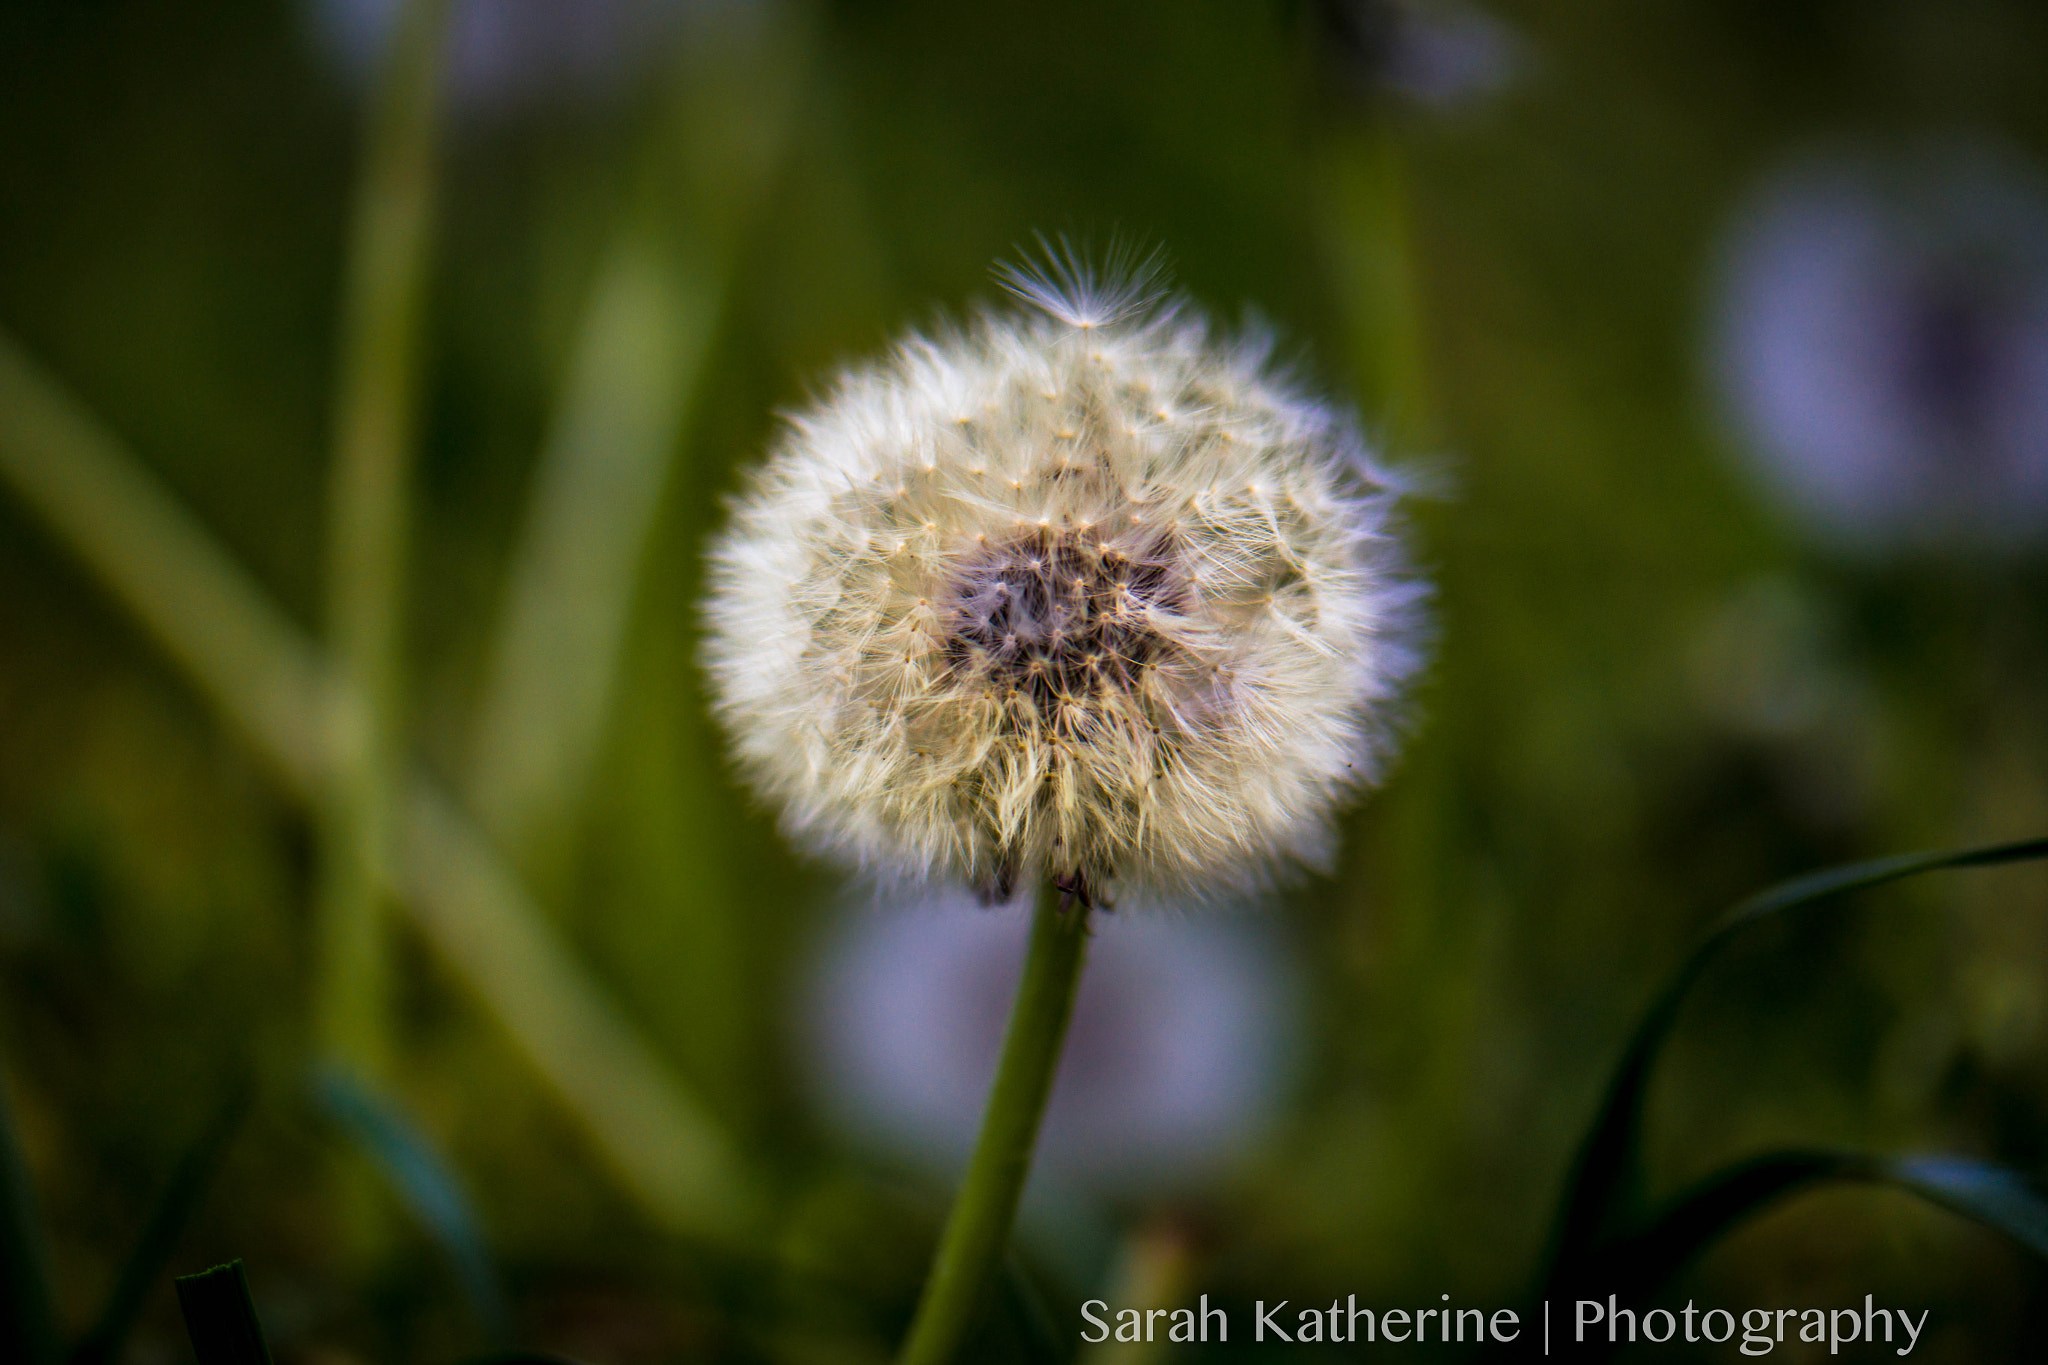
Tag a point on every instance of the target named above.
point(1572, 809)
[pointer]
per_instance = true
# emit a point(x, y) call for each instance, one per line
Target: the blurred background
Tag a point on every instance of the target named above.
point(1721, 330)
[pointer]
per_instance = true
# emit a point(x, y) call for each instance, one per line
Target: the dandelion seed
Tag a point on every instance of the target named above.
point(1110, 697)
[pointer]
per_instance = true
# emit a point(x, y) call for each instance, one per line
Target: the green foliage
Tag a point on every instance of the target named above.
point(1606, 1182)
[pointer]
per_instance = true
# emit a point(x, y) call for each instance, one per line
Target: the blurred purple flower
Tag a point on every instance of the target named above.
point(507, 53)
point(1438, 55)
point(1880, 340)
point(1179, 1052)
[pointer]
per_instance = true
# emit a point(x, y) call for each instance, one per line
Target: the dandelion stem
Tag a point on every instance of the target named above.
point(978, 1229)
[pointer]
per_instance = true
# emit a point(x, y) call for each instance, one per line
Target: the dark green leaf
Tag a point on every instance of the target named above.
point(426, 1187)
point(1606, 1177)
point(27, 1322)
point(174, 1209)
point(1636, 1267)
point(1994, 1196)
point(221, 1318)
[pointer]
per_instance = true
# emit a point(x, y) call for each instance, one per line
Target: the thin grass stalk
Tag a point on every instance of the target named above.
point(248, 658)
point(977, 1231)
point(370, 510)
point(569, 594)
point(646, 341)
point(220, 1317)
point(1371, 259)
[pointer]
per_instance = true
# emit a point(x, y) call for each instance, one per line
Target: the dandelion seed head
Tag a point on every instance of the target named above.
point(1139, 620)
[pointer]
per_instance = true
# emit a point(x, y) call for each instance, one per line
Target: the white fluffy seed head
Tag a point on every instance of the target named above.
point(1082, 593)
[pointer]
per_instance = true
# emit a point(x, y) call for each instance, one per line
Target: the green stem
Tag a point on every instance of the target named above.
point(978, 1230)
point(370, 512)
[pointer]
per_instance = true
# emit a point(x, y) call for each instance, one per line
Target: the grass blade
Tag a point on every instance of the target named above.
point(369, 516)
point(267, 679)
point(1638, 1265)
point(1992, 1195)
point(180, 1199)
point(1370, 257)
point(249, 659)
point(220, 1317)
point(556, 649)
point(28, 1322)
point(1606, 1174)
point(427, 1188)
point(1635, 1268)
point(670, 1151)
point(642, 349)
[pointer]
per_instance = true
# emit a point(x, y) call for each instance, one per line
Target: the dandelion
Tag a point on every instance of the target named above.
point(1880, 338)
point(1083, 596)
